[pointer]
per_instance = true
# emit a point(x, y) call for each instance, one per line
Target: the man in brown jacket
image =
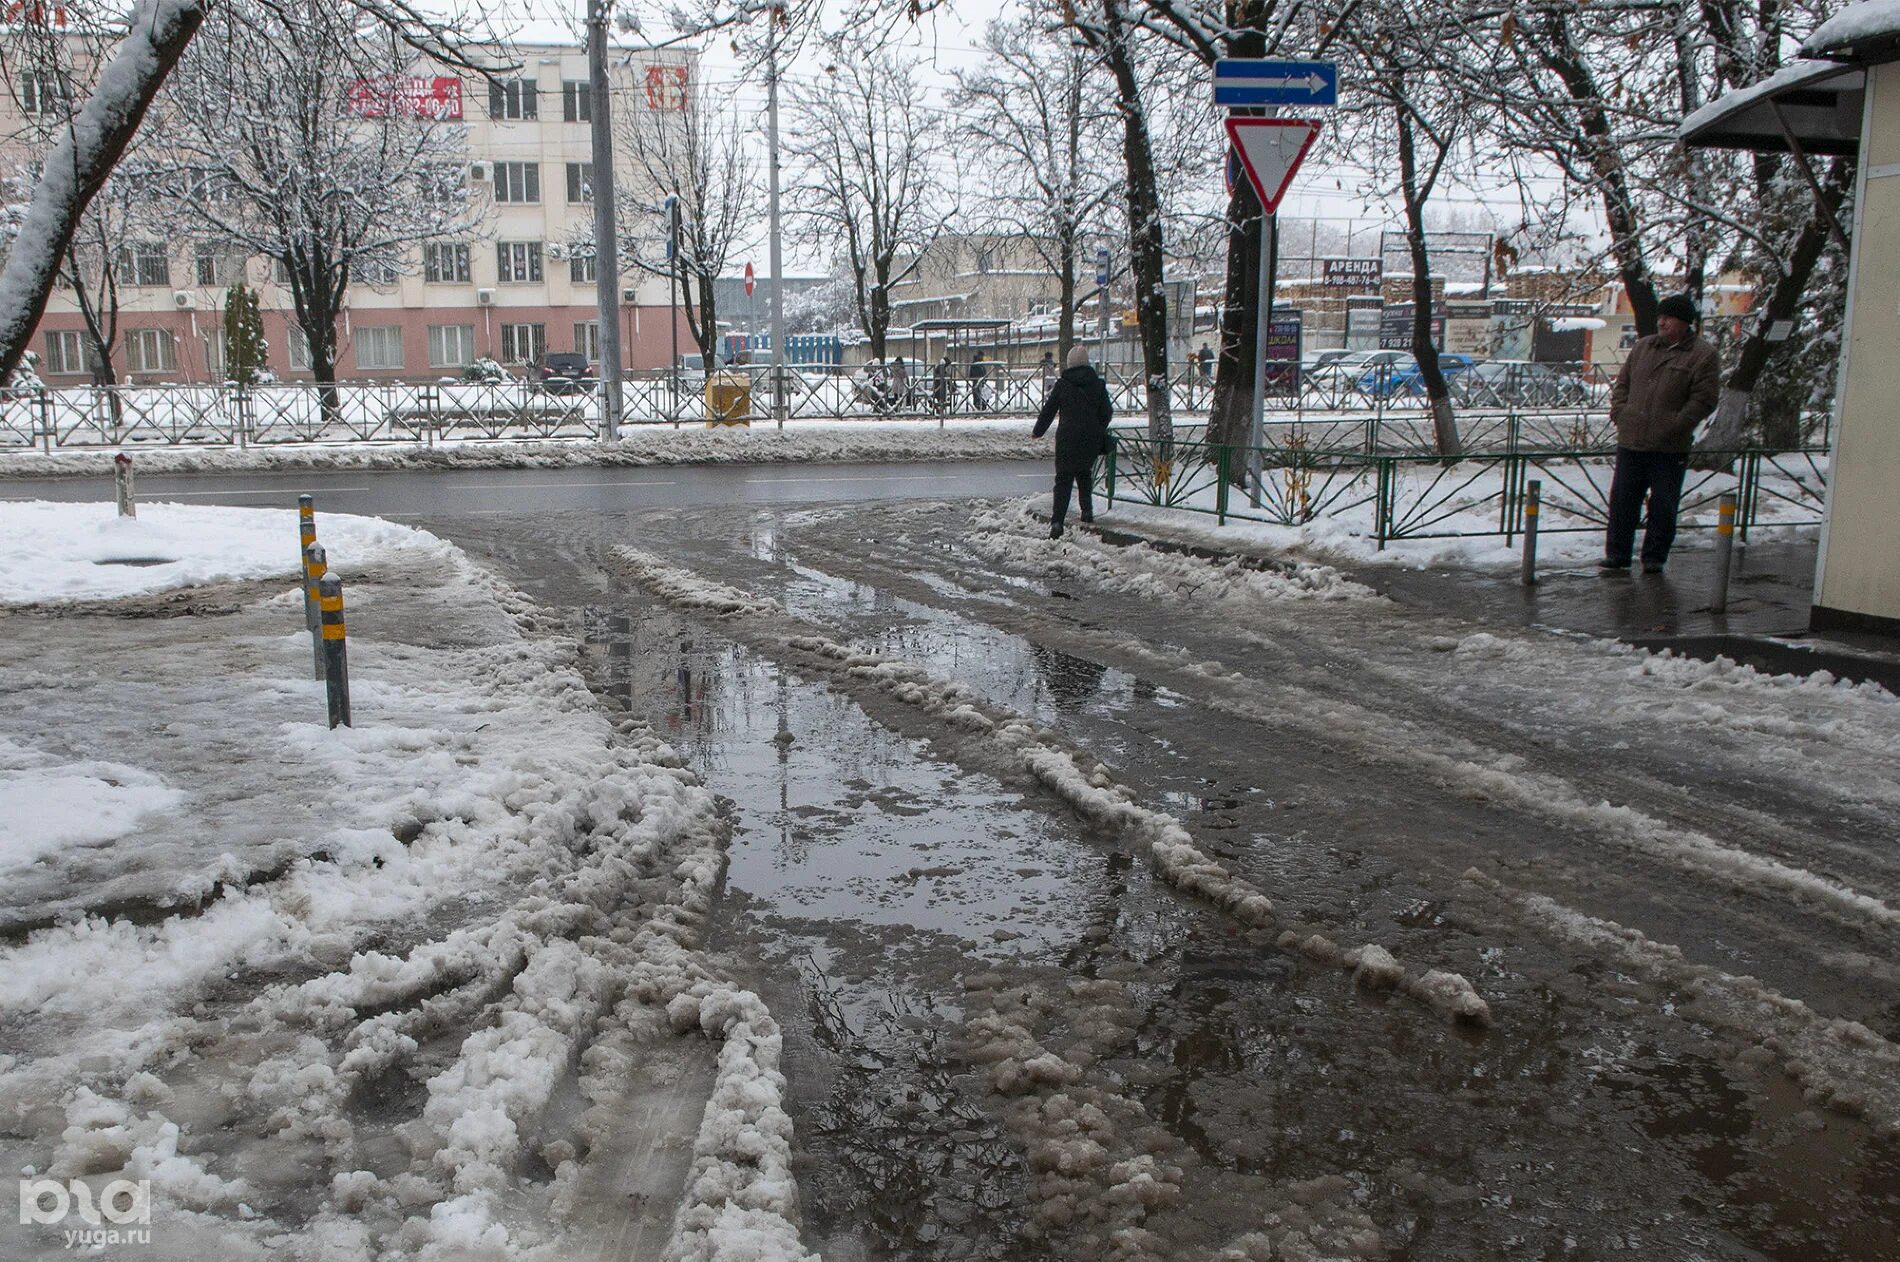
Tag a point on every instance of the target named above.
point(1668, 386)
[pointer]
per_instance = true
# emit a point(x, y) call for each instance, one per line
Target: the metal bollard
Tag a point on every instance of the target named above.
point(1724, 551)
point(336, 675)
point(306, 535)
point(122, 485)
point(1533, 503)
point(315, 566)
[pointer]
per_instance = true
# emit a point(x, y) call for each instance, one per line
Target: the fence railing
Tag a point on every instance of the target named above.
point(1391, 495)
point(1379, 407)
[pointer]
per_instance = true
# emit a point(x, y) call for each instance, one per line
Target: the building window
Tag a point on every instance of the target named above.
point(587, 338)
point(580, 182)
point(517, 182)
point(379, 347)
point(512, 99)
point(297, 342)
point(577, 101)
point(280, 272)
point(144, 263)
point(214, 355)
point(523, 343)
point(44, 92)
point(451, 345)
point(445, 263)
point(215, 268)
point(518, 262)
point(66, 351)
point(377, 273)
point(580, 269)
point(151, 350)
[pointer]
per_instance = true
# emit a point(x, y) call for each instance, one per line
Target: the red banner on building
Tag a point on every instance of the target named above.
point(408, 96)
point(666, 88)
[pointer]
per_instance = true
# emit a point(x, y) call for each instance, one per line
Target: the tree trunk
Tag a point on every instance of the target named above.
point(1230, 413)
point(1144, 228)
point(156, 37)
point(1729, 430)
point(1424, 350)
point(1065, 269)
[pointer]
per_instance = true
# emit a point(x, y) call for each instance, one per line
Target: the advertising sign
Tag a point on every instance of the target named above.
point(1358, 276)
point(1395, 327)
point(666, 88)
point(408, 96)
point(1283, 353)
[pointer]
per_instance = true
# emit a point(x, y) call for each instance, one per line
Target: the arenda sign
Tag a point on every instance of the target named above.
point(407, 96)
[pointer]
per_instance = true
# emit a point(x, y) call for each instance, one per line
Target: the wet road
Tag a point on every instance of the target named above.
point(1008, 1037)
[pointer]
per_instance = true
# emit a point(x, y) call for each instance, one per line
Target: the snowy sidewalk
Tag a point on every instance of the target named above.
point(406, 990)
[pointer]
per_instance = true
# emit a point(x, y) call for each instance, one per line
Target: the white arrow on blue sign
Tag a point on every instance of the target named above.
point(1101, 265)
point(1264, 81)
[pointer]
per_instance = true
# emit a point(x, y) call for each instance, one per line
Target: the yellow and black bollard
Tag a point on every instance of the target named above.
point(1724, 551)
point(1533, 505)
point(307, 535)
point(314, 568)
point(336, 666)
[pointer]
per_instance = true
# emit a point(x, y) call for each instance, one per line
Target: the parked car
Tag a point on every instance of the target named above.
point(1521, 383)
point(564, 373)
point(1387, 374)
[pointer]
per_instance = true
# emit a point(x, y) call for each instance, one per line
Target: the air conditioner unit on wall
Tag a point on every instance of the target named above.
point(478, 170)
point(486, 297)
point(184, 298)
point(630, 295)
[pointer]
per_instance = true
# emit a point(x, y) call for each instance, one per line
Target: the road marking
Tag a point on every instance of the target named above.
point(287, 492)
point(546, 486)
point(894, 477)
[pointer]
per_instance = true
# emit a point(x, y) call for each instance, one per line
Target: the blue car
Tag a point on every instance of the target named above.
point(1384, 374)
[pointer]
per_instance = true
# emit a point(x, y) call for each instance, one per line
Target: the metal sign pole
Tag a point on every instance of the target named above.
point(606, 246)
point(1257, 432)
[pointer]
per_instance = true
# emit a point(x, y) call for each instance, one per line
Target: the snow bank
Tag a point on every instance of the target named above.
point(836, 442)
point(57, 551)
point(51, 804)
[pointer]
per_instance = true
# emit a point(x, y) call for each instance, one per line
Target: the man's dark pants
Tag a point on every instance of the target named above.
point(1657, 475)
point(1084, 489)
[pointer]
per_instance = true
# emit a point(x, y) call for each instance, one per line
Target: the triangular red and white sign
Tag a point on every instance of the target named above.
point(1271, 149)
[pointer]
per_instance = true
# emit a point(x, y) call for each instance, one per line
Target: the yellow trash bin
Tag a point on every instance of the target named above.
point(728, 399)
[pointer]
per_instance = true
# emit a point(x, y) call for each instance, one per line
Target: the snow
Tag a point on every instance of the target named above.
point(76, 551)
point(1577, 324)
point(486, 893)
point(1862, 23)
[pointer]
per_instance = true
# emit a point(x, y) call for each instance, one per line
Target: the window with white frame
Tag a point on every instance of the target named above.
point(379, 346)
point(517, 181)
point(512, 99)
point(280, 272)
point(445, 263)
point(518, 262)
point(587, 338)
point(214, 355)
point(144, 263)
point(151, 350)
point(44, 92)
point(577, 101)
point(66, 351)
point(298, 344)
point(580, 183)
point(377, 273)
point(580, 269)
point(451, 345)
point(218, 268)
point(523, 343)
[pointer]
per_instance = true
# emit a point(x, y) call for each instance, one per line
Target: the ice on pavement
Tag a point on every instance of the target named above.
point(372, 964)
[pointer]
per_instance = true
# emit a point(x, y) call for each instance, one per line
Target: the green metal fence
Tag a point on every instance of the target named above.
point(1302, 478)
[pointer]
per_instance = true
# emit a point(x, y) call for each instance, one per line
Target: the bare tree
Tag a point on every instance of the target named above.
point(1035, 106)
point(697, 154)
point(276, 143)
point(865, 183)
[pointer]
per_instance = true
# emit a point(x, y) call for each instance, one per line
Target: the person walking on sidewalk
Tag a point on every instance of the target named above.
point(1080, 399)
point(1668, 386)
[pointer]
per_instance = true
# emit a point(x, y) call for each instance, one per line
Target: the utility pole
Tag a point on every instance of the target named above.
point(673, 299)
point(606, 253)
point(776, 18)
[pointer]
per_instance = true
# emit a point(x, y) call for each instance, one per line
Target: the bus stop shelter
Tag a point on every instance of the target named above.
point(1843, 98)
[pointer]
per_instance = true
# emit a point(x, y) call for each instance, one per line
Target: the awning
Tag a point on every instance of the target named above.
point(1819, 101)
point(1865, 32)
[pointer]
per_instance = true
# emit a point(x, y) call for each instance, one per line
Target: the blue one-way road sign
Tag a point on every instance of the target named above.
point(1259, 81)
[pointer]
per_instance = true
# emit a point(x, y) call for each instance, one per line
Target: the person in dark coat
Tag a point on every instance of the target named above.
point(1669, 384)
point(944, 375)
point(1080, 399)
point(977, 373)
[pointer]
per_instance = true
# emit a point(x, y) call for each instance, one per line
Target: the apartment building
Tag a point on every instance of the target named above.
point(510, 291)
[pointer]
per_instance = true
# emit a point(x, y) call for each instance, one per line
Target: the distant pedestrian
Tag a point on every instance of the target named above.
point(978, 372)
point(1668, 385)
point(1048, 369)
point(1080, 399)
point(900, 383)
point(945, 377)
point(1205, 357)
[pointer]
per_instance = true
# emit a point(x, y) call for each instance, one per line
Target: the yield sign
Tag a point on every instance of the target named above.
point(750, 280)
point(1271, 150)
